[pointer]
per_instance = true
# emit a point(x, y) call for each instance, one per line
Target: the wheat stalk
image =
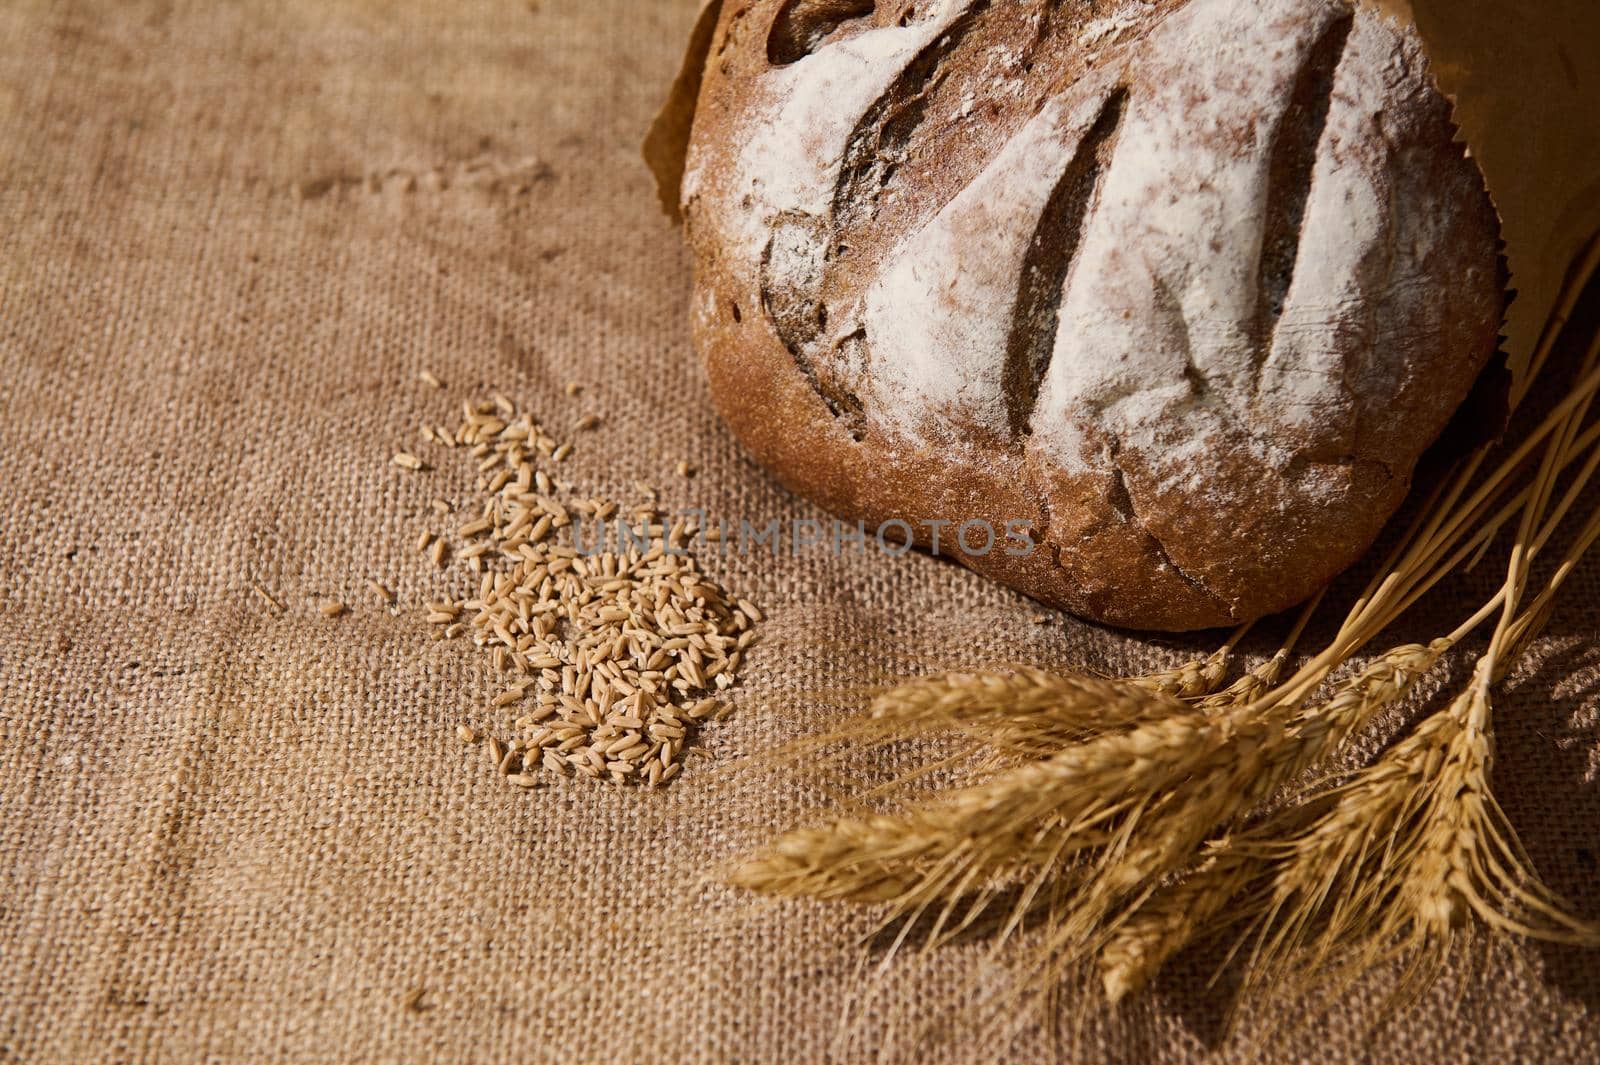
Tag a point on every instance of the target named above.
point(1345, 878)
point(1385, 864)
point(1132, 804)
point(1132, 821)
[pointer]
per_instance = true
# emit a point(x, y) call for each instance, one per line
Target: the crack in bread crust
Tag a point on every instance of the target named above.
point(1050, 256)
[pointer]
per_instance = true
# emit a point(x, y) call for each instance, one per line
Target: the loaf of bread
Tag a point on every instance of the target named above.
point(1185, 286)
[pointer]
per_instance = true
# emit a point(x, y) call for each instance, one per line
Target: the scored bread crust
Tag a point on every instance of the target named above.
point(1188, 287)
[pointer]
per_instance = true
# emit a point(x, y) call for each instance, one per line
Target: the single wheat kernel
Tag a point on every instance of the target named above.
point(467, 734)
point(332, 609)
point(380, 590)
point(406, 460)
point(430, 380)
point(507, 698)
point(508, 759)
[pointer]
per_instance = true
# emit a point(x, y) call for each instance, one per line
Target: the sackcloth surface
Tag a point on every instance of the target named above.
point(234, 234)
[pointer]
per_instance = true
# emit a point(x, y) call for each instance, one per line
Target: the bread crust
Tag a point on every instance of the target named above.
point(1216, 395)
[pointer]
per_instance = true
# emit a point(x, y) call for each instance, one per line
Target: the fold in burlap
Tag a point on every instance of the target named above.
point(233, 235)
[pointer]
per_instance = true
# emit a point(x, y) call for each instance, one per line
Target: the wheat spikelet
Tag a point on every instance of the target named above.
point(1191, 680)
point(1171, 917)
point(1313, 854)
point(1002, 715)
point(1261, 748)
point(1327, 882)
point(1093, 830)
point(1387, 865)
point(1217, 763)
point(1468, 856)
point(1250, 687)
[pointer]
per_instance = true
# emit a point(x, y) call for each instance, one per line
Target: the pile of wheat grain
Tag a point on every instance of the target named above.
point(618, 648)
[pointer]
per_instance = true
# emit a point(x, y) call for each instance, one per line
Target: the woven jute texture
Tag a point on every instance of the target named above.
point(233, 234)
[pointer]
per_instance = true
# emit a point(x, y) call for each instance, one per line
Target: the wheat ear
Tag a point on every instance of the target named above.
point(983, 830)
point(1026, 711)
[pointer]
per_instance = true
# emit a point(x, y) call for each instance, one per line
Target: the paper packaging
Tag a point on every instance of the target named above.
point(666, 147)
point(1526, 83)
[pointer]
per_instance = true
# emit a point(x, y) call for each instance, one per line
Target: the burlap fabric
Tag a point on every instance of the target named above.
point(233, 235)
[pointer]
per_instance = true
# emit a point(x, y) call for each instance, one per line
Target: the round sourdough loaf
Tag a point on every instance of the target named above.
point(1187, 287)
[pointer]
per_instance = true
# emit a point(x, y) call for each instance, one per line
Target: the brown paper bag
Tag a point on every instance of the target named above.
point(1526, 83)
point(666, 146)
